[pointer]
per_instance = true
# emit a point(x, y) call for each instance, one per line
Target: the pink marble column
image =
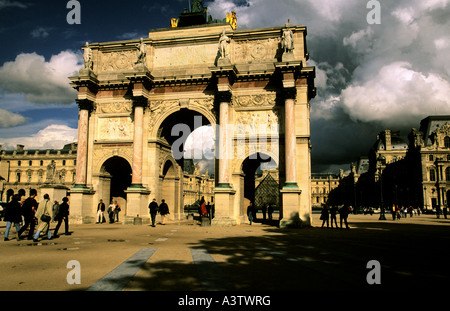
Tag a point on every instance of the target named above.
point(224, 140)
point(290, 138)
point(139, 105)
point(85, 106)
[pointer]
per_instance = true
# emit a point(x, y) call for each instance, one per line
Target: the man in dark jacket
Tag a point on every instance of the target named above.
point(153, 207)
point(29, 208)
point(163, 211)
point(63, 214)
point(13, 215)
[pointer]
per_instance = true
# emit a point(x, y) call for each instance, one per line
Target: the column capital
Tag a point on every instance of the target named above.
point(85, 104)
point(290, 93)
point(224, 96)
point(140, 101)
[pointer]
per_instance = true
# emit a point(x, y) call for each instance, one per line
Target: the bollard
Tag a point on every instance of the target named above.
point(206, 222)
point(137, 220)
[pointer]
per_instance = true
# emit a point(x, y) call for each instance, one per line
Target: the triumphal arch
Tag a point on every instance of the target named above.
point(138, 98)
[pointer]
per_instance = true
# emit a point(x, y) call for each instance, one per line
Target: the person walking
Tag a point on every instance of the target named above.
point(333, 213)
point(63, 214)
point(13, 215)
point(343, 215)
point(55, 210)
point(153, 207)
point(110, 212)
point(101, 212)
point(29, 208)
point(270, 211)
point(116, 211)
point(324, 216)
point(44, 217)
point(163, 211)
point(250, 212)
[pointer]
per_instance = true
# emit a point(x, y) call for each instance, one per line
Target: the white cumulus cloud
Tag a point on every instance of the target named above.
point(51, 137)
point(41, 81)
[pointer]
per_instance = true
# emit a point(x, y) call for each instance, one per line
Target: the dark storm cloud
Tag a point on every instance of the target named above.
point(369, 77)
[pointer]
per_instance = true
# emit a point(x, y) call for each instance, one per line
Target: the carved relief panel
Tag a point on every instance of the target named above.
point(115, 128)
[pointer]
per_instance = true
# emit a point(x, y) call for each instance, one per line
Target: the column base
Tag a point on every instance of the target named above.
point(137, 201)
point(291, 207)
point(223, 185)
point(223, 206)
point(82, 205)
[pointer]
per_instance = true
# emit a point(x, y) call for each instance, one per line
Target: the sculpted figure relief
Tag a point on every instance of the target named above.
point(87, 57)
point(287, 40)
point(141, 53)
point(223, 43)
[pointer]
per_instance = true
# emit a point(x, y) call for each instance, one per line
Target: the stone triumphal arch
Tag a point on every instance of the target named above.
point(252, 86)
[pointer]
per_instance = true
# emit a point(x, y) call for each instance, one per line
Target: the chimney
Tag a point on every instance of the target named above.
point(20, 148)
point(387, 138)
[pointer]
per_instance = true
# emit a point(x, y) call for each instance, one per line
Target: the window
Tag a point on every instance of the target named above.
point(447, 142)
point(30, 163)
point(41, 163)
point(447, 174)
point(432, 175)
point(430, 157)
point(19, 163)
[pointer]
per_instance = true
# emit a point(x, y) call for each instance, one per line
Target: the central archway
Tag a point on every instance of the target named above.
point(187, 149)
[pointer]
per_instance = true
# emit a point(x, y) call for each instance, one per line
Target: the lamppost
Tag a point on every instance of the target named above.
point(381, 160)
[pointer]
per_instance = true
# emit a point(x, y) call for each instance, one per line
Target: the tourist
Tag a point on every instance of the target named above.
point(270, 211)
point(163, 211)
point(250, 212)
point(101, 212)
point(153, 207)
point(44, 217)
point(13, 216)
point(343, 215)
point(116, 210)
point(29, 208)
point(63, 214)
point(333, 213)
point(324, 216)
point(110, 211)
point(55, 210)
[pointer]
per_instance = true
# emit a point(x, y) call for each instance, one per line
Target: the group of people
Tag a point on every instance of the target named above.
point(397, 211)
point(112, 211)
point(162, 209)
point(265, 209)
point(331, 213)
point(26, 214)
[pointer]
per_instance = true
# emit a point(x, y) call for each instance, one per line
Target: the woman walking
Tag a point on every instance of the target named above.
point(44, 217)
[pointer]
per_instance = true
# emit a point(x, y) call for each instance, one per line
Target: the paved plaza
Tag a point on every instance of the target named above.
point(184, 256)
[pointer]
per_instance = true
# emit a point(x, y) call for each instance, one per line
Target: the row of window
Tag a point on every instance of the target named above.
point(62, 176)
point(41, 162)
point(432, 158)
point(433, 174)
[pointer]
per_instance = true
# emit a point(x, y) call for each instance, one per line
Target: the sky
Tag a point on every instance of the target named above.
point(369, 77)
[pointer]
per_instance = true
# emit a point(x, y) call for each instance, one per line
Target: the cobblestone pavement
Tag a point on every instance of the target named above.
point(184, 256)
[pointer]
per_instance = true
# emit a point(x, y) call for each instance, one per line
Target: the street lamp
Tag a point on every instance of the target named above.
point(382, 161)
